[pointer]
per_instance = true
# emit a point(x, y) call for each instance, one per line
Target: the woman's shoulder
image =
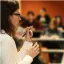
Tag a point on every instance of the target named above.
point(6, 38)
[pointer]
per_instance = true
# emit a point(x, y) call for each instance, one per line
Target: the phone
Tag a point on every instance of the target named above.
point(30, 32)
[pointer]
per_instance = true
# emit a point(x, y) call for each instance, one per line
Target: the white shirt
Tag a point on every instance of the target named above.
point(9, 54)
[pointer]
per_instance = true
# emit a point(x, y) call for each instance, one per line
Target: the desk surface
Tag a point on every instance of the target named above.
point(44, 39)
point(41, 39)
point(53, 50)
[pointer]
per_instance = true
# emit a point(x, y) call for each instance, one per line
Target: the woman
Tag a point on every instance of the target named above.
point(58, 20)
point(10, 18)
point(52, 30)
point(60, 23)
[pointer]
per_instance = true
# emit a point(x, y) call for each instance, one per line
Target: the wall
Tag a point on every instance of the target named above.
point(53, 7)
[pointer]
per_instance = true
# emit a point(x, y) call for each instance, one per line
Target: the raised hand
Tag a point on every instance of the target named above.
point(28, 34)
point(33, 51)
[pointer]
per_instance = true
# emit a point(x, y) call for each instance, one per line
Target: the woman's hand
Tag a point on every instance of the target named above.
point(33, 51)
point(28, 34)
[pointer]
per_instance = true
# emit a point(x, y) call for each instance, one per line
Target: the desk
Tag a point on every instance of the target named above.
point(53, 51)
point(41, 39)
point(51, 43)
point(44, 39)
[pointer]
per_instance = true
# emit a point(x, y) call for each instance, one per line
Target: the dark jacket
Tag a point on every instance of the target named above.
point(47, 17)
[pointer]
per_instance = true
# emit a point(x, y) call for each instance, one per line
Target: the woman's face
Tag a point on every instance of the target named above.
point(15, 18)
point(51, 25)
point(58, 20)
point(42, 13)
point(30, 17)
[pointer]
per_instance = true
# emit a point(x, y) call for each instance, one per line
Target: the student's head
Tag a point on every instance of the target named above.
point(30, 15)
point(43, 12)
point(58, 19)
point(9, 16)
point(53, 24)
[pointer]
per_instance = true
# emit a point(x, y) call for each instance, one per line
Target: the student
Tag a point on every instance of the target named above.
point(58, 20)
point(60, 23)
point(43, 16)
point(52, 29)
point(10, 18)
point(30, 18)
point(30, 21)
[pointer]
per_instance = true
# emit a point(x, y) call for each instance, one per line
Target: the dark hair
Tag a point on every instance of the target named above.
point(57, 16)
point(54, 23)
point(60, 19)
point(30, 12)
point(44, 9)
point(7, 9)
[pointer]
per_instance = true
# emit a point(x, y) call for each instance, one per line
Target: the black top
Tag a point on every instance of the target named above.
point(30, 23)
point(47, 17)
point(27, 23)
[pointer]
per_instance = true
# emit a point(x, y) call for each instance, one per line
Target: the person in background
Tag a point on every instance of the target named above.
point(62, 28)
point(60, 23)
point(29, 20)
point(52, 29)
point(43, 17)
point(10, 18)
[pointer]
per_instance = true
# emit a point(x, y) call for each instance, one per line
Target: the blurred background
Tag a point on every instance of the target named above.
point(47, 19)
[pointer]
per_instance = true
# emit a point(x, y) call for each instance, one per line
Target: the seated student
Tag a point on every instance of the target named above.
point(58, 20)
point(60, 24)
point(43, 17)
point(62, 29)
point(10, 18)
point(52, 29)
point(29, 19)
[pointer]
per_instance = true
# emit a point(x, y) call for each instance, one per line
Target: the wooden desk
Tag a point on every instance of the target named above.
point(41, 39)
point(53, 51)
